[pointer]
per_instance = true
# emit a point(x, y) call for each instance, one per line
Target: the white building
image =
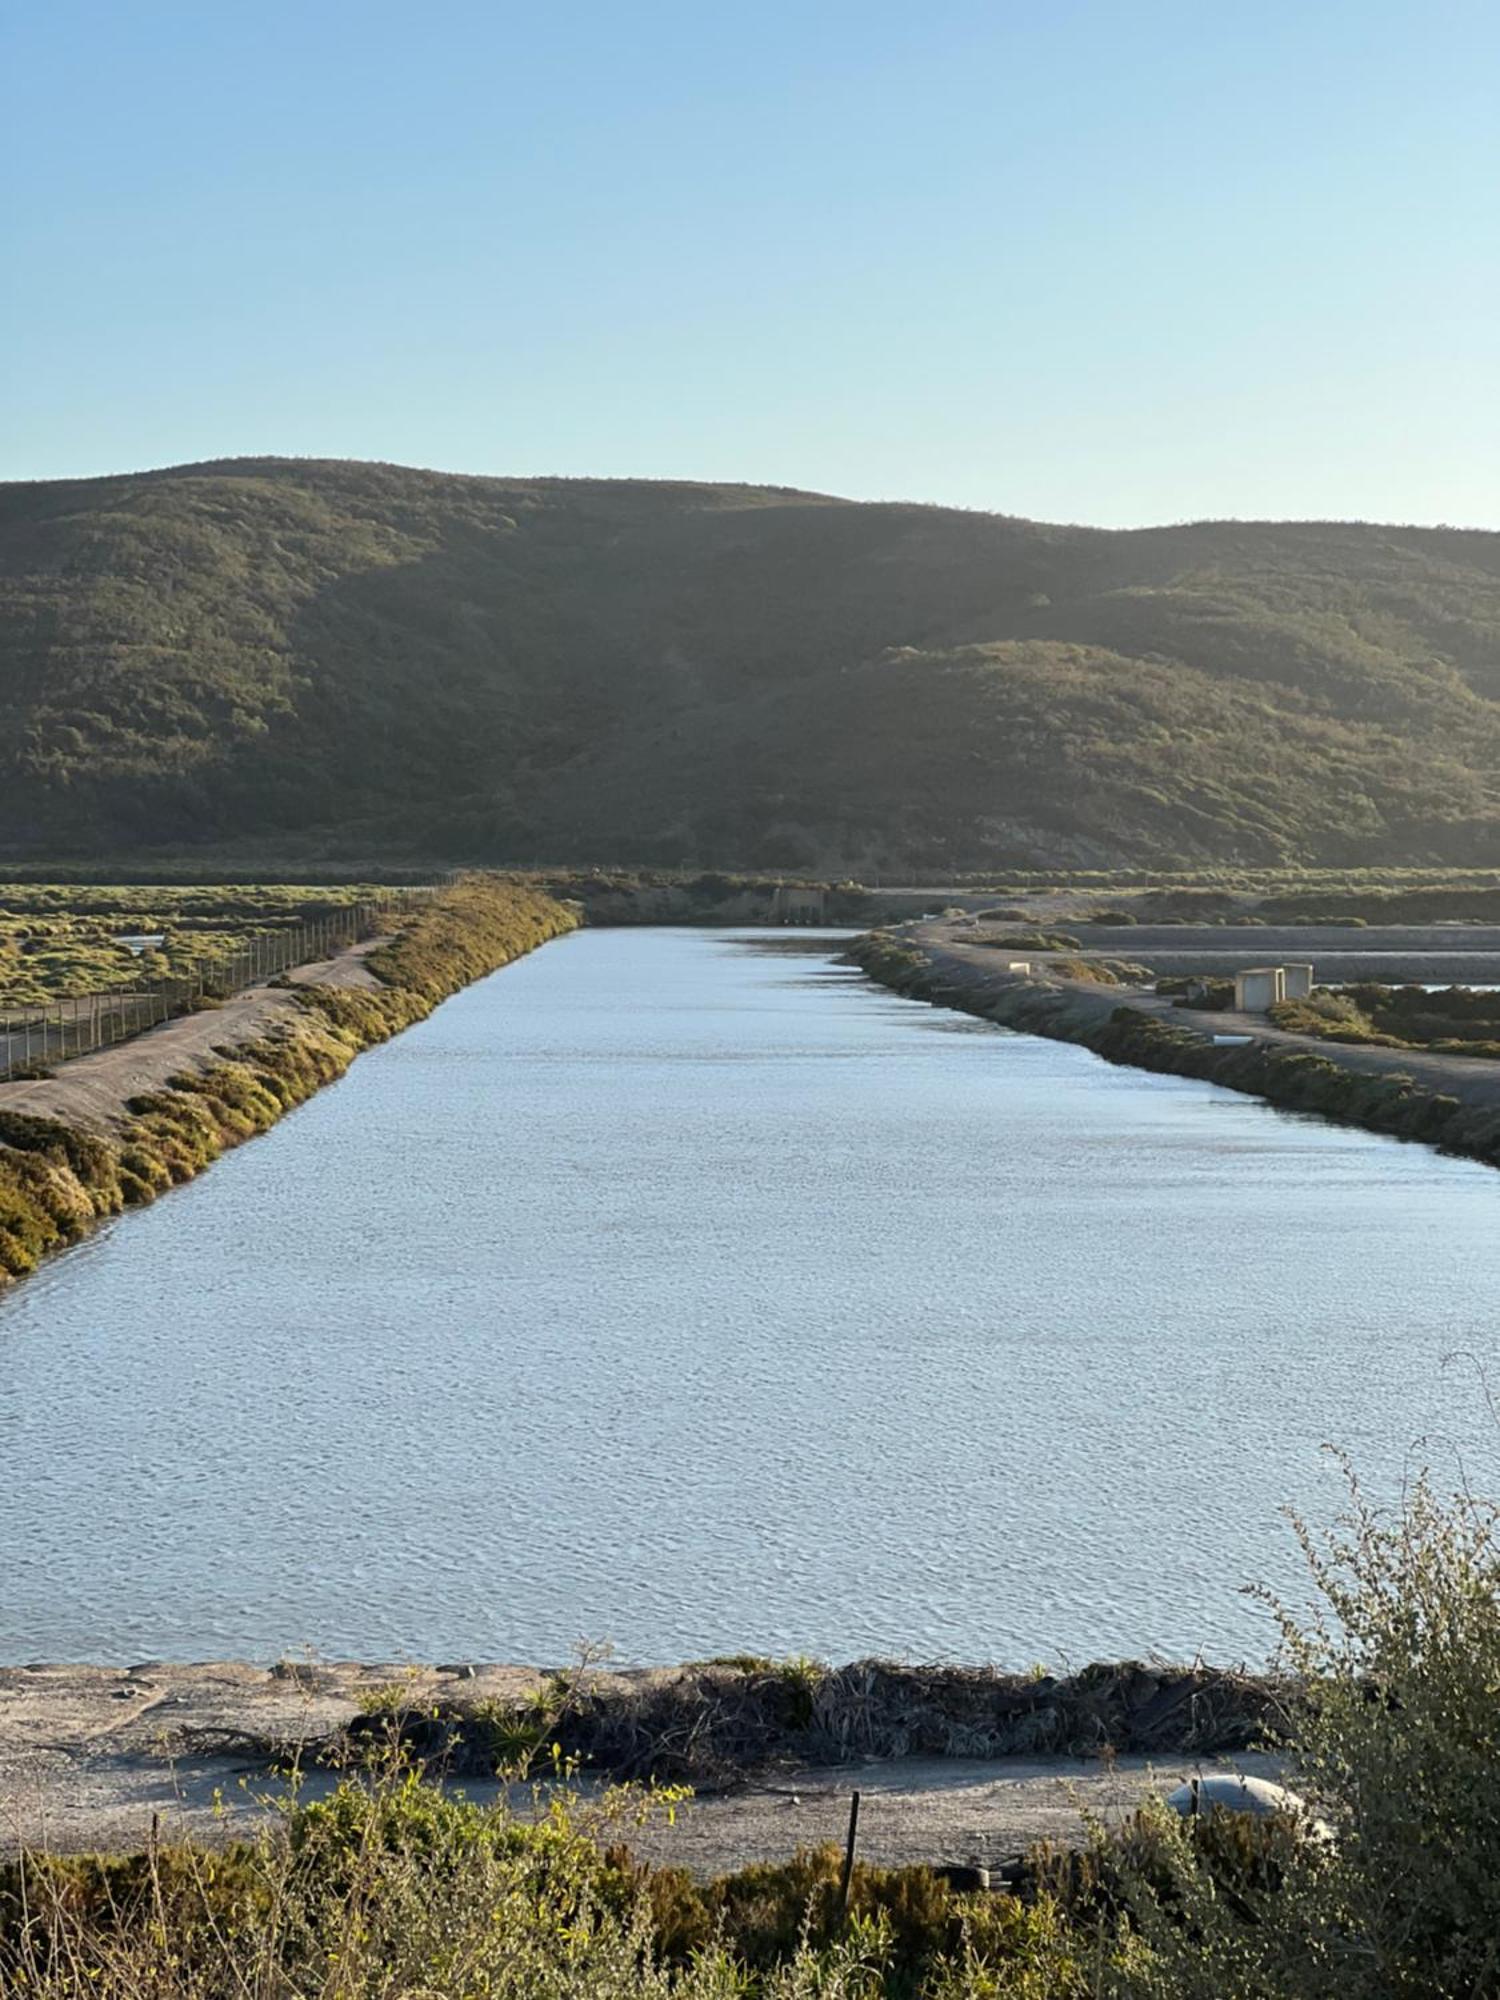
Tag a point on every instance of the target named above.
point(1257, 989)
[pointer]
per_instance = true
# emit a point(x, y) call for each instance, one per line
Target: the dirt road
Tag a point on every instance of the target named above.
point(89, 1756)
point(93, 1090)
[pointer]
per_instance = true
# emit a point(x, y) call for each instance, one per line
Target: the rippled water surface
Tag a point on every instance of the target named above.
point(677, 1288)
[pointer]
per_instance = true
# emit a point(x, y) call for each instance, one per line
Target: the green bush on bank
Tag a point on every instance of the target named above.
point(1455, 1020)
point(57, 1180)
point(1401, 1754)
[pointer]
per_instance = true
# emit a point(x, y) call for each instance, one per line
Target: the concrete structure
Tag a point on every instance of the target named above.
point(1257, 989)
point(1019, 965)
point(795, 905)
point(1223, 1791)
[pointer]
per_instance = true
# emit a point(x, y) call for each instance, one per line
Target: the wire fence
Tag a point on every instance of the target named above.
point(33, 1038)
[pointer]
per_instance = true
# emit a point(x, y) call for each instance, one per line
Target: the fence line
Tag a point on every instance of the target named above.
point(35, 1037)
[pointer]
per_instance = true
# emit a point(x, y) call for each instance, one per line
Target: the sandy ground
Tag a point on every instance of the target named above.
point(93, 1089)
point(90, 1756)
point(921, 1809)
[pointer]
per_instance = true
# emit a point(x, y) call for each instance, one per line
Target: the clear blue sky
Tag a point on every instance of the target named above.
point(1078, 259)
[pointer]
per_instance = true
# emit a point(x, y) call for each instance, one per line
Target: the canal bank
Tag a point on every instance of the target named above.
point(1446, 1101)
point(114, 1129)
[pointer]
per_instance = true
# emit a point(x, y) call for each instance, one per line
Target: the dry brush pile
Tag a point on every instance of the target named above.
point(716, 1721)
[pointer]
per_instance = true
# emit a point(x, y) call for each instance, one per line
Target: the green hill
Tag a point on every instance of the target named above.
point(317, 658)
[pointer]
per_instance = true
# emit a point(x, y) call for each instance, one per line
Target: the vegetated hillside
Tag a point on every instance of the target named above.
point(303, 657)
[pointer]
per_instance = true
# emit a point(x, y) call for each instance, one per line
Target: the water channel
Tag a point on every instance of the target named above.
point(682, 1289)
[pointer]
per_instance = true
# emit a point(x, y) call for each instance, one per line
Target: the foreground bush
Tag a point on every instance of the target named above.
point(1401, 1753)
point(391, 1888)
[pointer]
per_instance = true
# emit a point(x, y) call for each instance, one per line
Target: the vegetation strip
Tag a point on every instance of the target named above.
point(719, 1720)
point(1292, 1078)
point(60, 942)
point(57, 1180)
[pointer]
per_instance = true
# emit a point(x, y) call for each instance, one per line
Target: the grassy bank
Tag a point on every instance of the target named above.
point(1294, 1079)
point(57, 1180)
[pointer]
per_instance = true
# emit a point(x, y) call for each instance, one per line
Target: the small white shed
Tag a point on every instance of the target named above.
point(1258, 989)
point(1296, 982)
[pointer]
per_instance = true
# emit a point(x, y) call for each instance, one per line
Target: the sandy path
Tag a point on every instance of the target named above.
point(94, 1089)
point(88, 1755)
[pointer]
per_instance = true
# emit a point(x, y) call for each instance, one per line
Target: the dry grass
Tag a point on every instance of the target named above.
point(721, 1720)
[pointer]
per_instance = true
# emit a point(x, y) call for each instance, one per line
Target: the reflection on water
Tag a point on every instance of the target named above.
point(673, 1289)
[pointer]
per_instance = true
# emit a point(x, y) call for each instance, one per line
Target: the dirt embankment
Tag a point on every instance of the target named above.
point(90, 1756)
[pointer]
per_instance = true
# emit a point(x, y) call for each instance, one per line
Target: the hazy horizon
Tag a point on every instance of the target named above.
point(530, 476)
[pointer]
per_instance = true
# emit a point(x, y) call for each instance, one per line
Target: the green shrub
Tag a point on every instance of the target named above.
point(394, 1888)
point(1028, 941)
point(1400, 1754)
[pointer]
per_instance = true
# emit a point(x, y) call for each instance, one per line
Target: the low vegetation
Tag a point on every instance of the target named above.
point(1202, 995)
point(1022, 940)
point(57, 1181)
point(393, 1887)
point(1459, 1020)
point(1100, 971)
point(58, 940)
point(697, 896)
